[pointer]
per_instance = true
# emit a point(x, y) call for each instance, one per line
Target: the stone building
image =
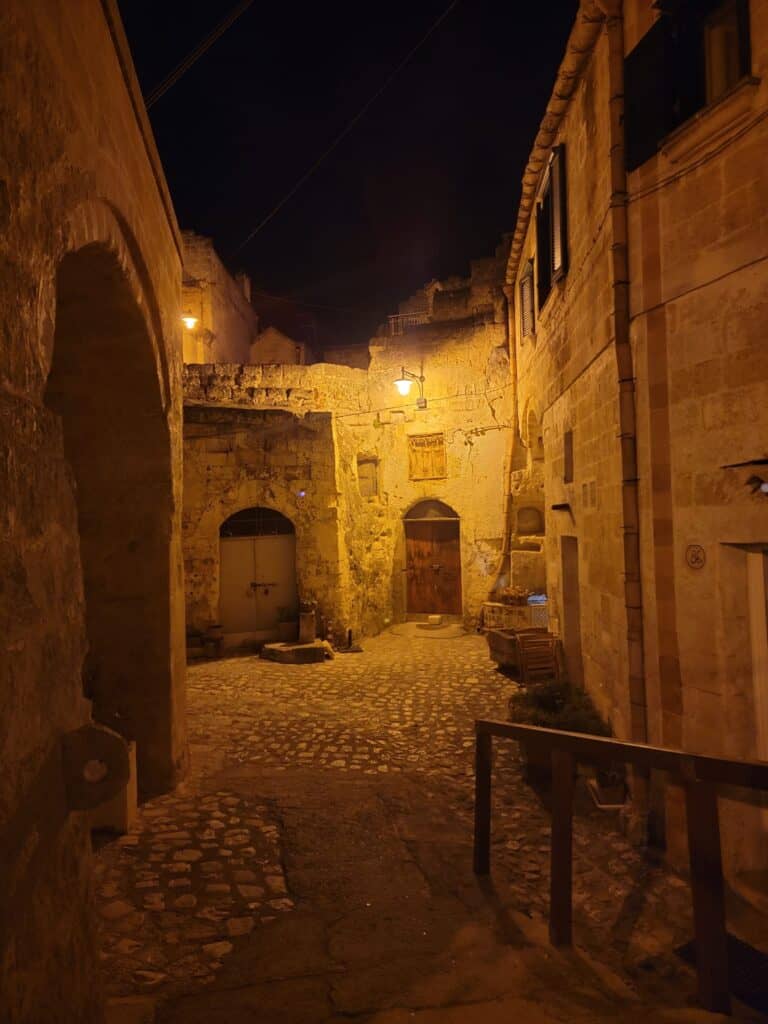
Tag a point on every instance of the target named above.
point(90, 509)
point(396, 505)
point(274, 346)
point(639, 277)
point(220, 324)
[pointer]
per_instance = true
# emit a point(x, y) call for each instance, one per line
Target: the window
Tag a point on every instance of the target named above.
point(568, 457)
point(551, 227)
point(527, 313)
point(368, 476)
point(691, 56)
point(426, 456)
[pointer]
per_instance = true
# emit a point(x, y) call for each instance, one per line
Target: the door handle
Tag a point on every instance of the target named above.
point(255, 584)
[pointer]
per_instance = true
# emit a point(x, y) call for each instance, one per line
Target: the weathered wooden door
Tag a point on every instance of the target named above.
point(433, 566)
point(258, 580)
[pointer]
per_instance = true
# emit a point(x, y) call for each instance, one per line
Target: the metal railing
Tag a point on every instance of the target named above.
point(400, 322)
point(700, 777)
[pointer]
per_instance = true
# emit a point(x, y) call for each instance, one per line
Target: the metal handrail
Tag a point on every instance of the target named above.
point(398, 322)
point(700, 776)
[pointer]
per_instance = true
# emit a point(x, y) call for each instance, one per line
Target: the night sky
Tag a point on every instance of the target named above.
point(428, 179)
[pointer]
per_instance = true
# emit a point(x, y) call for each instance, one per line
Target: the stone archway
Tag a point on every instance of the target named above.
point(104, 386)
point(258, 597)
point(433, 559)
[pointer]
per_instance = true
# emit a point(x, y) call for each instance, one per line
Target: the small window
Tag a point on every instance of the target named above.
point(552, 227)
point(527, 313)
point(368, 476)
point(568, 457)
point(691, 56)
point(722, 63)
point(426, 457)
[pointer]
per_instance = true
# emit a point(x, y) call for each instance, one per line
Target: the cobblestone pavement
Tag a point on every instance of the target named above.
point(204, 873)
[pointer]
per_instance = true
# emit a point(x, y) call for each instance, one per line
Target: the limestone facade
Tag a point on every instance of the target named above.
point(226, 323)
point(328, 446)
point(273, 346)
point(643, 386)
point(90, 444)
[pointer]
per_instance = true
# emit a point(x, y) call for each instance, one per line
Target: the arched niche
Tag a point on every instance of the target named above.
point(104, 386)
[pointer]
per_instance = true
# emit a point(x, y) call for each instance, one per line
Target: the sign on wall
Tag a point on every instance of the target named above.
point(426, 457)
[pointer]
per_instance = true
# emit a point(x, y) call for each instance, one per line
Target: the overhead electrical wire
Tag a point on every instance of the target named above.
point(195, 54)
point(347, 128)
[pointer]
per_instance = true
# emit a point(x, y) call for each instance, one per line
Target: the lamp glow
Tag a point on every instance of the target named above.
point(189, 321)
point(403, 386)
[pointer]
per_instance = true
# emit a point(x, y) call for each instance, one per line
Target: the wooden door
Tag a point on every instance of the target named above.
point(433, 566)
point(258, 579)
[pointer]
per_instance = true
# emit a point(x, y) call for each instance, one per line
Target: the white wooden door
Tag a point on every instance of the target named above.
point(258, 580)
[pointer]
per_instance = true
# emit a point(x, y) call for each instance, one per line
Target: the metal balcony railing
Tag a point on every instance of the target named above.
point(400, 322)
point(700, 777)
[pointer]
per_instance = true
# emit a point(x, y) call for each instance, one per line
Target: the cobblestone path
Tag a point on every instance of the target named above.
point(371, 753)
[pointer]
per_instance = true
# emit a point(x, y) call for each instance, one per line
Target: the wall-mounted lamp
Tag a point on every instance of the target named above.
point(403, 385)
point(189, 321)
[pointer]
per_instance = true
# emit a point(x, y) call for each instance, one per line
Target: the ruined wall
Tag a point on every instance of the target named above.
point(468, 392)
point(78, 175)
point(228, 323)
point(698, 218)
point(568, 381)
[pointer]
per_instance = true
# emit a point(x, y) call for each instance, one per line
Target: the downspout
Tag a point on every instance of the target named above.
point(624, 364)
point(504, 570)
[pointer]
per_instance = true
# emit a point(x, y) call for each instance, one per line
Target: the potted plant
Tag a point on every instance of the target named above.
point(551, 704)
point(287, 624)
point(609, 786)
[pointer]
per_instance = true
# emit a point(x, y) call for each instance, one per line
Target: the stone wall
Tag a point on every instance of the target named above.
point(468, 392)
point(89, 255)
point(227, 322)
point(698, 220)
point(568, 381)
point(692, 221)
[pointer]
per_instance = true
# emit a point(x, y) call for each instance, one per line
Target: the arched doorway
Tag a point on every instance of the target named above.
point(106, 388)
point(433, 559)
point(257, 575)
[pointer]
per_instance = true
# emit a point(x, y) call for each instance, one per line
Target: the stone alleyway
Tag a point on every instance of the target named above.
point(316, 867)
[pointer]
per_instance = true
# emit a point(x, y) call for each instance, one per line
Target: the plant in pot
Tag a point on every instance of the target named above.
point(609, 787)
point(551, 704)
point(287, 624)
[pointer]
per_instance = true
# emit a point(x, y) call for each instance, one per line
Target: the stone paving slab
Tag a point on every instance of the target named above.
point(352, 783)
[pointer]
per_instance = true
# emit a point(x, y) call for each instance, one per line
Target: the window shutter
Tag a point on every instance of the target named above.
point(527, 315)
point(559, 214)
point(544, 246)
point(648, 94)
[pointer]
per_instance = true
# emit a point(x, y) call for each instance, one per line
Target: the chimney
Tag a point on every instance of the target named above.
point(245, 284)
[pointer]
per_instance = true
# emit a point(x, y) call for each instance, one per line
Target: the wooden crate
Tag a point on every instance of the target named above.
point(496, 615)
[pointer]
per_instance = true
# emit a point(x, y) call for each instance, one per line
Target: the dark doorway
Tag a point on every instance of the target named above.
point(433, 559)
point(106, 387)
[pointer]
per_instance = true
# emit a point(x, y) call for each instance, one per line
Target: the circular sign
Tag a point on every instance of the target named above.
point(695, 556)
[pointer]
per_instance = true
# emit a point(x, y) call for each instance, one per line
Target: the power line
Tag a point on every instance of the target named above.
point(316, 305)
point(195, 54)
point(348, 128)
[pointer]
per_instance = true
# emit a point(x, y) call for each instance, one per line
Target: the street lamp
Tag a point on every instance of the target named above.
point(403, 385)
point(189, 321)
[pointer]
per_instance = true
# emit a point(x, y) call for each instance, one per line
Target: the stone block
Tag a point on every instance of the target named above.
point(294, 654)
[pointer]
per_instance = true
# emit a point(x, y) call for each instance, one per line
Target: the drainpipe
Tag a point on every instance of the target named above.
point(638, 702)
point(503, 573)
